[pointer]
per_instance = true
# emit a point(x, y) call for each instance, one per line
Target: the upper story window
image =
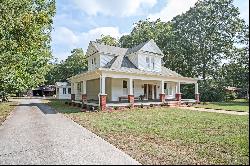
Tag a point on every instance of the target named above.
point(93, 63)
point(64, 90)
point(148, 62)
point(153, 62)
point(69, 90)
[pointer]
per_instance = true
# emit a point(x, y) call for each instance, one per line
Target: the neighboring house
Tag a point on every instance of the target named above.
point(118, 74)
point(63, 90)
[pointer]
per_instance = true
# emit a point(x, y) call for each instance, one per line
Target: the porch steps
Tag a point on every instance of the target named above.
point(172, 103)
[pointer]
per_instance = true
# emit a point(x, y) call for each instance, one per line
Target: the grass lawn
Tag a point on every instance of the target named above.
point(237, 105)
point(169, 135)
point(5, 109)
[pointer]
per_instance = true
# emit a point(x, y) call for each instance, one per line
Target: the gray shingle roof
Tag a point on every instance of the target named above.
point(120, 62)
point(109, 49)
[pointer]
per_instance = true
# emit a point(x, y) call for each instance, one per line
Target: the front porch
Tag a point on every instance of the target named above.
point(104, 91)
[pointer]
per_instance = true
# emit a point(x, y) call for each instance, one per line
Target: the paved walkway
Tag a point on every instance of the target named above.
point(35, 134)
point(217, 111)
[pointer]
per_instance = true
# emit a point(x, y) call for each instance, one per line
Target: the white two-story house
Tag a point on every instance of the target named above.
point(127, 75)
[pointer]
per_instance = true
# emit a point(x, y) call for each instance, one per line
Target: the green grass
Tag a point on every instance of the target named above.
point(170, 135)
point(5, 109)
point(237, 105)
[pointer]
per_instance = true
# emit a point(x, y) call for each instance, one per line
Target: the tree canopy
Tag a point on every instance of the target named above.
point(25, 35)
point(74, 64)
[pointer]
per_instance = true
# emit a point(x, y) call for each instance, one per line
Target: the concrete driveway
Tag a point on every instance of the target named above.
point(35, 134)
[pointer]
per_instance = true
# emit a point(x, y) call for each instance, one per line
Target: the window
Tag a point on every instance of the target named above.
point(125, 84)
point(64, 90)
point(94, 61)
point(153, 62)
point(69, 90)
point(79, 86)
point(147, 61)
point(57, 90)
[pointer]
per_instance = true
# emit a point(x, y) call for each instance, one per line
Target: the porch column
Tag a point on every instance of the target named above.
point(130, 92)
point(197, 95)
point(103, 96)
point(162, 94)
point(178, 91)
point(73, 96)
point(84, 91)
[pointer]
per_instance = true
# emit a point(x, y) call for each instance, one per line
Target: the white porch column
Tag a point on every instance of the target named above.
point(162, 94)
point(102, 85)
point(84, 90)
point(130, 86)
point(197, 95)
point(178, 88)
point(162, 87)
point(196, 88)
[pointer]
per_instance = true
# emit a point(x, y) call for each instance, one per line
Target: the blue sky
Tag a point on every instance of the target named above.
point(79, 21)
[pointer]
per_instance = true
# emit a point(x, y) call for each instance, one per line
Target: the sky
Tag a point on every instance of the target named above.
point(77, 22)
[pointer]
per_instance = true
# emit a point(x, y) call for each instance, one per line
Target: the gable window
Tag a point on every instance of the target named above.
point(64, 90)
point(125, 84)
point(153, 62)
point(148, 62)
point(69, 90)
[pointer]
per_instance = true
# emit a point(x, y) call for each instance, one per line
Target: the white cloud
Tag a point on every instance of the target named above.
point(113, 7)
point(64, 40)
point(172, 9)
point(64, 36)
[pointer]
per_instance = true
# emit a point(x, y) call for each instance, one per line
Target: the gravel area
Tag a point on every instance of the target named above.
point(35, 134)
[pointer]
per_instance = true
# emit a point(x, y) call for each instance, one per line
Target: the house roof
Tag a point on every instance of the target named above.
point(121, 62)
point(149, 46)
point(109, 49)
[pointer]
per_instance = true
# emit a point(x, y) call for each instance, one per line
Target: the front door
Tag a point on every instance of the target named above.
point(150, 91)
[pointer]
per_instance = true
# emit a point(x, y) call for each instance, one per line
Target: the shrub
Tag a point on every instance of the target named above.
point(141, 106)
point(116, 108)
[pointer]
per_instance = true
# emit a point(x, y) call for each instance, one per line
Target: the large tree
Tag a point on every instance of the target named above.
point(25, 35)
point(107, 40)
point(204, 35)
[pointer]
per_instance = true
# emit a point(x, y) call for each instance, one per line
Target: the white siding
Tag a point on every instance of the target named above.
point(60, 95)
point(92, 67)
point(173, 87)
point(117, 88)
point(144, 66)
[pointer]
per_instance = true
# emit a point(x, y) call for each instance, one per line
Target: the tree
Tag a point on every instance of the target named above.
point(204, 35)
point(25, 35)
point(143, 31)
point(74, 64)
point(107, 40)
